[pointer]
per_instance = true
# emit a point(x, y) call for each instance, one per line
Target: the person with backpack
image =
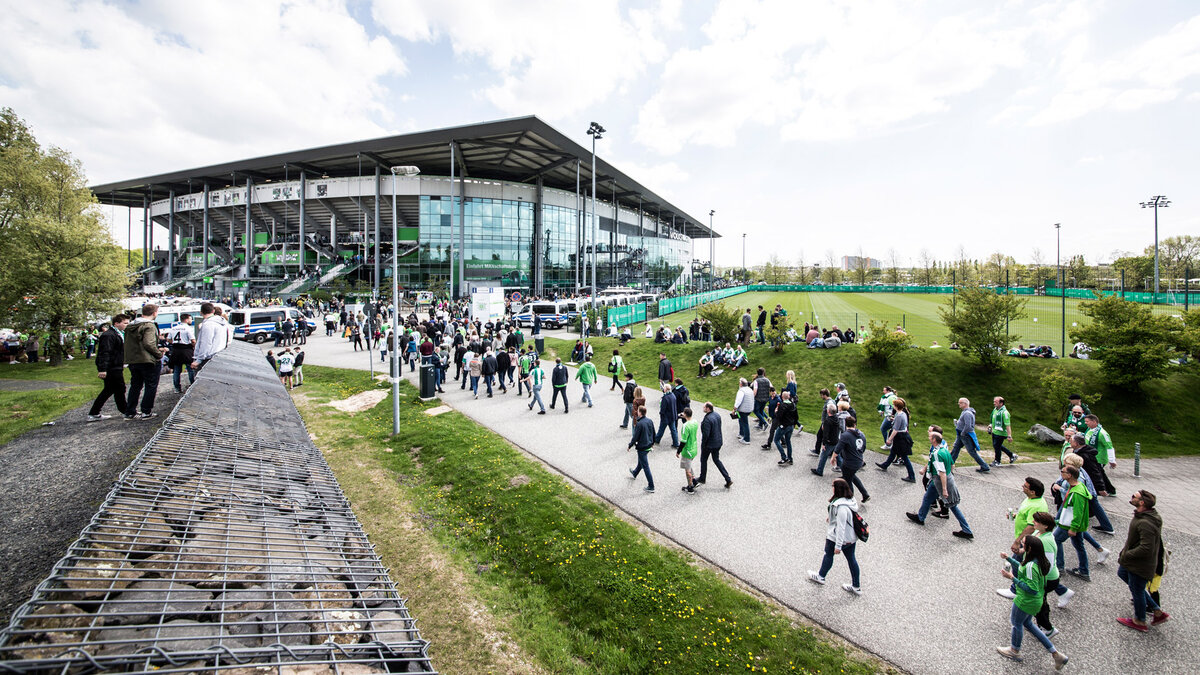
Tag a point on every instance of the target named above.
point(683, 397)
point(615, 366)
point(627, 396)
point(843, 527)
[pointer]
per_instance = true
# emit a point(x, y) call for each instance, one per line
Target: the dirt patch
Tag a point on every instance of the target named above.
point(434, 412)
point(360, 402)
point(519, 480)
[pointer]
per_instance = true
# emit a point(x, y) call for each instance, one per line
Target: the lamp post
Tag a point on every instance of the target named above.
point(396, 171)
point(1062, 291)
point(1156, 201)
point(712, 263)
point(595, 131)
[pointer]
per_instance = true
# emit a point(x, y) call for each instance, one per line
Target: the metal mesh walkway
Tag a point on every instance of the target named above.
point(226, 545)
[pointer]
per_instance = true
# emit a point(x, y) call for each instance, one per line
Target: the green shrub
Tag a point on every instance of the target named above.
point(979, 323)
point(883, 344)
point(777, 335)
point(1058, 386)
point(726, 321)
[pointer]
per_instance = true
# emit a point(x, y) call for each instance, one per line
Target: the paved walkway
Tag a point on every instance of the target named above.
point(929, 604)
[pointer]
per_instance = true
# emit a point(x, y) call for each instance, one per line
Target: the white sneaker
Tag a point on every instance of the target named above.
point(1065, 598)
point(850, 588)
point(1052, 633)
point(885, 447)
point(1005, 593)
point(97, 418)
point(816, 578)
point(1102, 556)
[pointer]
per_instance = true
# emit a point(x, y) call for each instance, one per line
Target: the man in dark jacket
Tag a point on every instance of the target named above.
point(503, 364)
point(849, 451)
point(666, 374)
point(143, 355)
point(710, 444)
point(1139, 560)
point(110, 367)
point(642, 441)
point(667, 417)
point(762, 321)
point(558, 380)
point(787, 419)
point(490, 366)
point(627, 397)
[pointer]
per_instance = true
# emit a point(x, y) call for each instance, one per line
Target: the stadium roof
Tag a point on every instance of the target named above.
point(520, 150)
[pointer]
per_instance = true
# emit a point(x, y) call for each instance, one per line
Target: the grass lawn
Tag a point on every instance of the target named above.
point(490, 548)
point(25, 410)
point(917, 312)
point(931, 380)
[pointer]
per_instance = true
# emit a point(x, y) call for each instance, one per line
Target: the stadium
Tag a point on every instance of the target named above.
point(505, 203)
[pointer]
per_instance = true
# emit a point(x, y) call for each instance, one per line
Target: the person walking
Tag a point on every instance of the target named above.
point(559, 377)
point(1028, 573)
point(666, 373)
point(1001, 428)
point(489, 370)
point(668, 412)
point(1097, 437)
point(355, 336)
point(587, 376)
point(1043, 528)
point(474, 371)
point(642, 441)
point(743, 404)
point(839, 536)
point(212, 338)
point(760, 323)
point(627, 395)
point(884, 408)
point(1139, 560)
point(110, 368)
point(941, 485)
point(1034, 502)
point(786, 417)
point(710, 445)
point(849, 453)
point(616, 366)
point(762, 394)
point(182, 343)
point(503, 366)
point(689, 447)
point(144, 358)
point(828, 436)
point(533, 380)
point(964, 435)
point(900, 441)
point(1073, 520)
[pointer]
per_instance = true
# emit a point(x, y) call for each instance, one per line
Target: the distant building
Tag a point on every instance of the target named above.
point(853, 262)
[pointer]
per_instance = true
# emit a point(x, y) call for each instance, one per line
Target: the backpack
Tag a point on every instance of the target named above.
point(682, 397)
point(861, 529)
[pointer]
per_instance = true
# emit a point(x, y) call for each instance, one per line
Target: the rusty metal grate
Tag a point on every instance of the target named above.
point(226, 545)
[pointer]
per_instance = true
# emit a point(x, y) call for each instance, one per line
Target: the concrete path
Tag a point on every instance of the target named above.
point(929, 602)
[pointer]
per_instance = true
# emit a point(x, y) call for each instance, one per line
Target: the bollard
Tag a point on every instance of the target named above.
point(1137, 460)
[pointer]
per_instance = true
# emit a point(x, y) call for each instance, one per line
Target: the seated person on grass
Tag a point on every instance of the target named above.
point(706, 363)
point(739, 358)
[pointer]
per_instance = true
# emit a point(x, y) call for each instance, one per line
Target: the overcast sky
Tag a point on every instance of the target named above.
point(813, 126)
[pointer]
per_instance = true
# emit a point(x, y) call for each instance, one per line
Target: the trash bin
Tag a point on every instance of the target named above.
point(428, 389)
point(540, 342)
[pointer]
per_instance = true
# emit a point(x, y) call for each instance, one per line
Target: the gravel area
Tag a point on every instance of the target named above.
point(54, 479)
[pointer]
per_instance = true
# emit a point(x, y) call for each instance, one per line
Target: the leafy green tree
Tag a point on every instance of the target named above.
point(1132, 344)
point(61, 265)
point(726, 321)
point(1137, 269)
point(979, 321)
point(882, 344)
point(777, 335)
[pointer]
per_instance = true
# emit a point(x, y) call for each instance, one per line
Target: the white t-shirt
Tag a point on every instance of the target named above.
point(181, 334)
point(285, 362)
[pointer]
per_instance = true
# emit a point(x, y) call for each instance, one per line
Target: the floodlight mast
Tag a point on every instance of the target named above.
point(1156, 202)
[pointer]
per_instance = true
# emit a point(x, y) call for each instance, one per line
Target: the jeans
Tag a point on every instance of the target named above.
point(971, 443)
point(1022, 622)
point(537, 397)
point(1061, 535)
point(178, 370)
point(628, 413)
point(932, 494)
point(904, 458)
point(142, 375)
point(1141, 598)
point(665, 423)
point(886, 428)
point(644, 465)
point(715, 454)
point(998, 446)
point(744, 426)
point(489, 380)
point(826, 452)
point(587, 395)
point(560, 391)
point(760, 407)
point(475, 384)
point(850, 475)
point(114, 386)
point(784, 437)
point(848, 552)
point(1101, 517)
point(521, 386)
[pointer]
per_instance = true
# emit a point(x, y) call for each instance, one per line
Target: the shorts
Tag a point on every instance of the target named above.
point(685, 463)
point(285, 373)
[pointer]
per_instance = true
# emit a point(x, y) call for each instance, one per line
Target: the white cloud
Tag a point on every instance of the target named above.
point(176, 84)
point(552, 58)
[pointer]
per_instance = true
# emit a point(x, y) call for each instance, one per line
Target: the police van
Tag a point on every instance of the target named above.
point(257, 324)
point(555, 314)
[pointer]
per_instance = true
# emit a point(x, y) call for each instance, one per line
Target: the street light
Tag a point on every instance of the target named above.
point(397, 171)
point(595, 131)
point(1061, 290)
point(712, 263)
point(1156, 201)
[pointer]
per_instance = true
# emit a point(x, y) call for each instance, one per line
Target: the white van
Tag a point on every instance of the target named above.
point(555, 314)
point(256, 324)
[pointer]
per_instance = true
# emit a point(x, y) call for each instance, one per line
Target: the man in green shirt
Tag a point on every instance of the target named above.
point(524, 363)
point(1106, 455)
point(1075, 419)
point(1001, 428)
point(689, 446)
point(1073, 522)
point(941, 484)
point(534, 382)
point(587, 376)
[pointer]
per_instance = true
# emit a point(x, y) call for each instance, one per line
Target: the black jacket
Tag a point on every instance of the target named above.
point(683, 397)
point(627, 394)
point(830, 430)
point(665, 372)
point(1091, 465)
point(666, 406)
point(786, 415)
point(489, 364)
point(503, 361)
point(710, 432)
point(559, 376)
point(643, 434)
point(110, 353)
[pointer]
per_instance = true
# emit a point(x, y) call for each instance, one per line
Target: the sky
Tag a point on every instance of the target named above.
point(817, 128)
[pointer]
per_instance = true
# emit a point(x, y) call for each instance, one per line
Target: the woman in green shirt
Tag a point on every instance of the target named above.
point(1029, 576)
point(615, 366)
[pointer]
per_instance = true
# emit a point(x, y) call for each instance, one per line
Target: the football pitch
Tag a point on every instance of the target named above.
point(917, 313)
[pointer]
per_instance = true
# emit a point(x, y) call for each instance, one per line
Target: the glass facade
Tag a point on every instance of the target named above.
point(500, 247)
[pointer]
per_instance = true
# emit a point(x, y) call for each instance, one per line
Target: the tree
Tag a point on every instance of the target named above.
point(802, 271)
point(883, 344)
point(1132, 344)
point(1175, 256)
point(893, 270)
point(775, 272)
point(861, 267)
point(927, 268)
point(830, 273)
point(1078, 272)
point(1135, 270)
point(979, 323)
point(61, 264)
point(726, 321)
point(962, 268)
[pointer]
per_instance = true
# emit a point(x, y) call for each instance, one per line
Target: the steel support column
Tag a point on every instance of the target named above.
point(145, 232)
point(249, 227)
point(453, 285)
point(171, 239)
point(378, 251)
point(303, 214)
point(207, 232)
point(539, 248)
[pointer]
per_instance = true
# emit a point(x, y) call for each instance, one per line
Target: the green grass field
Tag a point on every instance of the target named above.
point(916, 312)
